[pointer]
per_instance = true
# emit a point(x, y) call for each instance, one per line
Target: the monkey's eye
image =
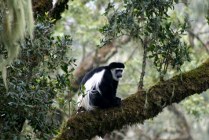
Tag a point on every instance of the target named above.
point(119, 71)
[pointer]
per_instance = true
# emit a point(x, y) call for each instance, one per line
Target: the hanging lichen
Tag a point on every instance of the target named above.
point(16, 22)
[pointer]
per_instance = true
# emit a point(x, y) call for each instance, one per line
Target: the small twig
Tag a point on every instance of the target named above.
point(182, 121)
point(131, 54)
point(198, 38)
point(83, 53)
point(141, 82)
point(173, 92)
point(204, 32)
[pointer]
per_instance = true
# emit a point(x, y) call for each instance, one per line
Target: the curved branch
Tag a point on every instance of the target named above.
point(88, 124)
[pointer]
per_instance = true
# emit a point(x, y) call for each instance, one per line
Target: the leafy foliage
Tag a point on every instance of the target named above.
point(82, 22)
point(34, 80)
point(197, 105)
point(149, 22)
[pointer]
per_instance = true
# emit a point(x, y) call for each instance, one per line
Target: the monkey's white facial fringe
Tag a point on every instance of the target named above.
point(117, 75)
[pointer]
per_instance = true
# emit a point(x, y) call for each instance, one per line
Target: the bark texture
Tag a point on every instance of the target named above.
point(134, 110)
point(40, 7)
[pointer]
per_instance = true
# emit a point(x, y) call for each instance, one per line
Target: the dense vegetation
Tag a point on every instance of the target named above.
point(155, 39)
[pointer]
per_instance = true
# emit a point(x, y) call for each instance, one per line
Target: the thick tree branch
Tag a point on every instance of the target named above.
point(174, 90)
point(40, 7)
point(60, 7)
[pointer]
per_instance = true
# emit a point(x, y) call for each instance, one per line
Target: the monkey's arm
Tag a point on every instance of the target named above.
point(102, 102)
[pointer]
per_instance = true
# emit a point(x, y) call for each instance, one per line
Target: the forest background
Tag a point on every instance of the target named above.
point(156, 40)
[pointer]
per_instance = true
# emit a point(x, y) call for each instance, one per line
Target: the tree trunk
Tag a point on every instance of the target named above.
point(133, 110)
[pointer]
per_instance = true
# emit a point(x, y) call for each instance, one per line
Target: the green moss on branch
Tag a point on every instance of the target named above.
point(133, 109)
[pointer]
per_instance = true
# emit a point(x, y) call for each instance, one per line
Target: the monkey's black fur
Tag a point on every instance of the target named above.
point(103, 95)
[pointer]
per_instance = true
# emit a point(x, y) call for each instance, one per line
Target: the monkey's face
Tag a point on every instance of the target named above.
point(117, 73)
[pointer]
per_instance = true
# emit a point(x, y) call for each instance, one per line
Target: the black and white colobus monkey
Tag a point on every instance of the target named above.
point(100, 86)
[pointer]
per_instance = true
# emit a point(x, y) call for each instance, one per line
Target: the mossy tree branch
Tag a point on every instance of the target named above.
point(133, 110)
